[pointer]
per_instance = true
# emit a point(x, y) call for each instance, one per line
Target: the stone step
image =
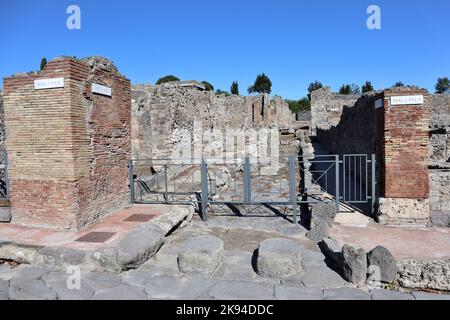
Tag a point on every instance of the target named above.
point(5, 214)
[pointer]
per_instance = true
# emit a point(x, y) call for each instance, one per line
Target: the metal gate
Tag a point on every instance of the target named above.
point(343, 179)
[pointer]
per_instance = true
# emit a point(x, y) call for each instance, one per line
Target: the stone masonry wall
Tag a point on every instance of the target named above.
point(67, 147)
point(163, 116)
point(440, 159)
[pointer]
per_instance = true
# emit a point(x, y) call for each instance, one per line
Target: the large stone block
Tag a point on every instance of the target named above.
point(139, 245)
point(398, 211)
point(383, 265)
point(279, 258)
point(354, 268)
point(202, 255)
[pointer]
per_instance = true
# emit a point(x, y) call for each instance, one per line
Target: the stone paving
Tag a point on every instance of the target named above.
point(235, 279)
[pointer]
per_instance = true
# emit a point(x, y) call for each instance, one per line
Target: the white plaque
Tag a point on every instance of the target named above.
point(406, 100)
point(48, 83)
point(100, 89)
point(378, 103)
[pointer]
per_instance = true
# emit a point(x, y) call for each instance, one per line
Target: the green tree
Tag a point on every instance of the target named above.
point(219, 91)
point(367, 87)
point(355, 89)
point(168, 78)
point(316, 85)
point(442, 85)
point(345, 89)
point(43, 63)
point(208, 86)
point(399, 84)
point(262, 85)
point(299, 105)
point(235, 88)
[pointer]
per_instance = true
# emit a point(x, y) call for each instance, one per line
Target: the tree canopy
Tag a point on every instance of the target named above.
point(315, 86)
point(168, 78)
point(208, 86)
point(262, 85)
point(43, 63)
point(442, 85)
point(299, 105)
point(234, 88)
point(367, 87)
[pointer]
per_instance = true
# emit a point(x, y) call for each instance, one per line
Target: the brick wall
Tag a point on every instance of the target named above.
point(68, 148)
point(406, 146)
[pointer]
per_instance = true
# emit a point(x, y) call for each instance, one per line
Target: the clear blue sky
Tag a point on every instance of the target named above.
point(293, 41)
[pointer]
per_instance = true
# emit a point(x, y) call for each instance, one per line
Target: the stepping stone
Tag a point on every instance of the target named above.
point(139, 245)
point(381, 294)
point(279, 258)
point(240, 290)
point(30, 272)
point(383, 264)
point(354, 267)
point(346, 294)
point(4, 289)
point(30, 289)
point(297, 293)
point(202, 255)
point(122, 292)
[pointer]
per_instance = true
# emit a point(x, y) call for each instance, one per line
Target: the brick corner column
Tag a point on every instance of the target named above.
point(404, 154)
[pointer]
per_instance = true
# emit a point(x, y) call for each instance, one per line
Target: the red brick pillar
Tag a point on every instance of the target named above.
point(404, 153)
point(68, 137)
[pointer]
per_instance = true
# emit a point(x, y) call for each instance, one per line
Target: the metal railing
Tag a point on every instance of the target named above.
point(244, 183)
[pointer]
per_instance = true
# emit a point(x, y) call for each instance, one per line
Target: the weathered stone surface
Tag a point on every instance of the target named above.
point(122, 292)
point(101, 280)
point(319, 232)
point(64, 293)
point(17, 253)
point(354, 268)
point(346, 294)
point(297, 293)
point(137, 278)
point(322, 277)
point(323, 211)
point(29, 289)
point(240, 290)
point(59, 257)
point(176, 216)
point(430, 296)
point(381, 262)
point(202, 254)
point(139, 245)
point(29, 272)
point(4, 289)
point(163, 287)
point(425, 274)
point(5, 214)
point(104, 259)
point(279, 258)
point(381, 294)
point(397, 211)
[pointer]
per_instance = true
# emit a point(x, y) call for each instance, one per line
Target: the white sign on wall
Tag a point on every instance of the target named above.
point(48, 83)
point(406, 100)
point(100, 89)
point(378, 103)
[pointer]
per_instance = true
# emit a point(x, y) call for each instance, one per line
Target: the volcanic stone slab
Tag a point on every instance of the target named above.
point(102, 280)
point(297, 293)
point(279, 258)
point(122, 292)
point(240, 290)
point(430, 296)
point(84, 292)
point(4, 289)
point(319, 232)
point(29, 289)
point(354, 267)
point(346, 294)
point(322, 277)
point(202, 255)
point(139, 245)
point(381, 261)
point(381, 294)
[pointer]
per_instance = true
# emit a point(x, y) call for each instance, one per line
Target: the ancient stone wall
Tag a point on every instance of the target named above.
point(163, 116)
point(67, 146)
point(440, 159)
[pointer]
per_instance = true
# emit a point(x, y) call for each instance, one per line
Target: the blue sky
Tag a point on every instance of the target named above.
point(293, 41)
